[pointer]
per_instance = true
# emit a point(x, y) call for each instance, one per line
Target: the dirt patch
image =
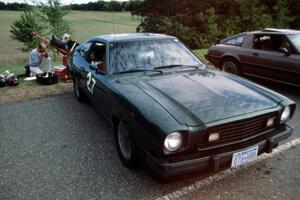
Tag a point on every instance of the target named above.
point(28, 90)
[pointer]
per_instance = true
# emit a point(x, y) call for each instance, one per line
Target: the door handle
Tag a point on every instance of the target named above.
point(255, 54)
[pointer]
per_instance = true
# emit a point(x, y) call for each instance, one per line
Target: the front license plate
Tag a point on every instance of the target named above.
point(244, 157)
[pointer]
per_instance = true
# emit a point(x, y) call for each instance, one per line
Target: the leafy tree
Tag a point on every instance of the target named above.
point(294, 13)
point(46, 19)
point(2, 5)
point(200, 23)
point(279, 12)
point(22, 28)
point(53, 13)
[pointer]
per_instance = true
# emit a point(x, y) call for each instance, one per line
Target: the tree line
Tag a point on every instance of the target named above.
point(107, 6)
point(12, 6)
point(201, 23)
point(91, 6)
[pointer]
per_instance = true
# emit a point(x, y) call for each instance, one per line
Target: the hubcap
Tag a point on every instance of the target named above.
point(230, 67)
point(124, 140)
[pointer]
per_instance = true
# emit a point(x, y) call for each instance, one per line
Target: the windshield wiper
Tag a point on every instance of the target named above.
point(138, 70)
point(172, 66)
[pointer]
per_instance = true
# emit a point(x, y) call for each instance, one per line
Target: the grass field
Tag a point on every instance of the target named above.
point(90, 23)
point(84, 24)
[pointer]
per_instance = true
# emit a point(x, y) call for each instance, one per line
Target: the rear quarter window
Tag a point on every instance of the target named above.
point(234, 41)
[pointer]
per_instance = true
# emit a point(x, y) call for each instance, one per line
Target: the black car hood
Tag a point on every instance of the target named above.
point(198, 98)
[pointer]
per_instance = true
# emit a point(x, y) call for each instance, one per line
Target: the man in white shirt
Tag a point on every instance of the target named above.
point(38, 59)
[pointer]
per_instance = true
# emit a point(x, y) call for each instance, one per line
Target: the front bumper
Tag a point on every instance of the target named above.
point(215, 162)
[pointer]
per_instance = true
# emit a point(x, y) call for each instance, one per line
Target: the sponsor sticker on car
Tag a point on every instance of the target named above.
point(244, 157)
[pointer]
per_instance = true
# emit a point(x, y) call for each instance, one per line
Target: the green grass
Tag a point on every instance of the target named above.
point(7, 45)
point(19, 69)
point(16, 69)
point(90, 23)
point(200, 53)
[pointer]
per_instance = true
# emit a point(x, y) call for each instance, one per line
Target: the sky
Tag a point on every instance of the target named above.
point(66, 2)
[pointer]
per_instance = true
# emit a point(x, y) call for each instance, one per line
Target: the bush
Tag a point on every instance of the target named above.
point(22, 28)
point(201, 23)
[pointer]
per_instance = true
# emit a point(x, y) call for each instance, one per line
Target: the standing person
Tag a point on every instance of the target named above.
point(38, 59)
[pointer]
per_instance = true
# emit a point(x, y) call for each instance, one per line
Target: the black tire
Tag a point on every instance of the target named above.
point(78, 92)
point(231, 65)
point(126, 148)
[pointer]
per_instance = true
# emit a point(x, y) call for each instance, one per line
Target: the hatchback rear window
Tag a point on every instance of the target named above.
point(235, 40)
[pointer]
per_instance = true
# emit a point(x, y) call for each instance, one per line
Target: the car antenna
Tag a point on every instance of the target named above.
point(113, 20)
point(114, 31)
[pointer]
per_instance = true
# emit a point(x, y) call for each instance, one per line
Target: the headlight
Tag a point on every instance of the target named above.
point(285, 114)
point(173, 141)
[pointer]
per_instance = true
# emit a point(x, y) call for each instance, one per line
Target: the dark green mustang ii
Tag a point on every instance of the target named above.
point(168, 108)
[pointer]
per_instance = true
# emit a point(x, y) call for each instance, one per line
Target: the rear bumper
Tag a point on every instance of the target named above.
point(213, 60)
point(213, 163)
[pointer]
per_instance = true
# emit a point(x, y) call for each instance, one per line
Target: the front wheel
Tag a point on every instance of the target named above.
point(127, 150)
point(231, 65)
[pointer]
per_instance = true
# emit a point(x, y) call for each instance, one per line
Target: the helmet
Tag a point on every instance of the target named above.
point(2, 81)
point(12, 80)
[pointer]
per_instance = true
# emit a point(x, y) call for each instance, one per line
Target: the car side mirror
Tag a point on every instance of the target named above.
point(284, 51)
point(82, 51)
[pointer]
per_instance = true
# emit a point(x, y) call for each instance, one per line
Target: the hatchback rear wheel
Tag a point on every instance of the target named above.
point(231, 65)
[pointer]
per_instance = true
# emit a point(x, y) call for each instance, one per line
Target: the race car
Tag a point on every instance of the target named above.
point(168, 109)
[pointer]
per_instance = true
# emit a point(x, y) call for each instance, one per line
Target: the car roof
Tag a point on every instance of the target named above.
point(276, 31)
point(131, 37)
point(271, 31)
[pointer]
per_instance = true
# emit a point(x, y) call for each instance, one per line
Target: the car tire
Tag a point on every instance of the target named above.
point(126, 148)
point(231, 65)
point(78, 92)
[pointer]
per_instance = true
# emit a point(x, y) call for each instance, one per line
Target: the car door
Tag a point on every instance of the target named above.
point(267, 62)
point(97, 84)
point(81, 65)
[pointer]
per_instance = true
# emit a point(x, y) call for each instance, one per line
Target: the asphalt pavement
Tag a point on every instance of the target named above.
point(57, 148)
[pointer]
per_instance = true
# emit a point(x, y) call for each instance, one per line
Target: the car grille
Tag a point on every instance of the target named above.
point(236, 131)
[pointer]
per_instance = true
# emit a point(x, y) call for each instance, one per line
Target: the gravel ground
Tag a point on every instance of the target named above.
point(57, 148)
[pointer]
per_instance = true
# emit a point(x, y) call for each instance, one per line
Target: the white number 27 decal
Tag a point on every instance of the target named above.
point(90, 83)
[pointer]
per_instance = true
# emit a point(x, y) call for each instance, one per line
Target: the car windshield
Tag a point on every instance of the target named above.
point(295, 39)
point(150, 54)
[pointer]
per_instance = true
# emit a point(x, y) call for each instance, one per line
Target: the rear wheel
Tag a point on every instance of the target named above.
point(79, 95)
point(127, 150)
point(231, 65)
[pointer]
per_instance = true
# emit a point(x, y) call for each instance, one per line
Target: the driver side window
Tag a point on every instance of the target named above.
point(96, 53)
point(95, 56)
point(267, 42)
